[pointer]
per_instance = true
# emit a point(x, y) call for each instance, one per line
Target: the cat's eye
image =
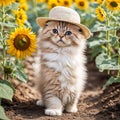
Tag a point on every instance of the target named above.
point(80, 30)
point(55, 31)
point(68, 33)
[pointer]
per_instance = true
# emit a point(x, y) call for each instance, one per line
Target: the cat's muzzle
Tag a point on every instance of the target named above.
point(61, 40)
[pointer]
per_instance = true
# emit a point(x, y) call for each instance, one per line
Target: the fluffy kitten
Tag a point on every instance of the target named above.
point(63, 71)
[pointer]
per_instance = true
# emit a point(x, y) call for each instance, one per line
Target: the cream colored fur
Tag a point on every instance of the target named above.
point(63, 72)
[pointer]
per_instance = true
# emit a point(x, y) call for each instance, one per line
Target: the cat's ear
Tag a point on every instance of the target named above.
point(81, 31)
point(46, 24)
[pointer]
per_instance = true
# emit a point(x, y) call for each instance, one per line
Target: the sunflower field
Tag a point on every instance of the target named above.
point(18, 31)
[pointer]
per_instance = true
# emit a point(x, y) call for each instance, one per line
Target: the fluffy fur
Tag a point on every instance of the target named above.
point(63, 72)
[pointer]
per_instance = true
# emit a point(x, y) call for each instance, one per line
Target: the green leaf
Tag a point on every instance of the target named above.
point(119, 51)
point(20, 75)
point(111, 81)
point(6, 90)
point(113, 40)
point(101, 27)
point(97, 42)
point(104, 62)
point(2, 114)
point(10, 17)
point(8, 24)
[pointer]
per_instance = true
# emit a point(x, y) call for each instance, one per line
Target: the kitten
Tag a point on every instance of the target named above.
point(63, 71)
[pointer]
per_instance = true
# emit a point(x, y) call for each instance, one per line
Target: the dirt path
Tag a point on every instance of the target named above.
point(94, 104)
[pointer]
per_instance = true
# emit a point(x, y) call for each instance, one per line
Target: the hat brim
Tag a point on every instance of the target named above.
point(42, 21)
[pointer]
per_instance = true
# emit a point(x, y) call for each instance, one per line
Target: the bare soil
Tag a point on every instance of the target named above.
point(94, 104)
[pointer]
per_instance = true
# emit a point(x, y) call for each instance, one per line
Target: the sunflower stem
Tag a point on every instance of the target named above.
point(118, 73)
point(3, 41)
point(114, 34)
point(0, 101)
point(35, 6)
point(107, 38)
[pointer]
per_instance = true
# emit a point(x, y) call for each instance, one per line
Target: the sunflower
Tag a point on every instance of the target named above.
point(113, 5)
point(21, 43)
point(20, 1)
point(41, 1)
point(66, 3)
point(100, 1)
point(81, 4)
point(52, 3)
point(6, 2)
point(23, 6)
point(21, 17)
point(101, 14)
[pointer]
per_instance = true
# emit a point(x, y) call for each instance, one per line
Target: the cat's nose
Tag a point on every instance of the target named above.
point(61, 37)
point(60, 40)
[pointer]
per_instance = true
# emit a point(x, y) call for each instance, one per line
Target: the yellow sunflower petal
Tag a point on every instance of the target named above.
point(6, 2)
point(18, 54)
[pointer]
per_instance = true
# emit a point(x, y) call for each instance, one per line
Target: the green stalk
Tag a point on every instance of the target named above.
point(118, 73)
point(35, 6)
point(3, 41)
point(0, 101)
point(107, 38)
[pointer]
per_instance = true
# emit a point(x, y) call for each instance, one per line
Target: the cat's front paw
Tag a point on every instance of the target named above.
point(72, 109)
point(39, 103)
point(53, 112)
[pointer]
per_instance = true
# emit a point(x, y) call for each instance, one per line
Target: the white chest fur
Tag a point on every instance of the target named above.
point(70, 63)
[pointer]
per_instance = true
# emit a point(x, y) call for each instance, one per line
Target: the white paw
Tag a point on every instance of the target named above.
point(53, 112)
point(40, 103)
point(72, 109)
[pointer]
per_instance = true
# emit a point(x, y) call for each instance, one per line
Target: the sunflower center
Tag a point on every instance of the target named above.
point(17, 0)
point(113, 4)
point(100, 12)
point(20, 17)
point(66, 3)
point(81, 3)
point(53, 5)
point(22, 42)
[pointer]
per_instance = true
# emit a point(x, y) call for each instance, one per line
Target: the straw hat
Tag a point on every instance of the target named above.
point(65, 14)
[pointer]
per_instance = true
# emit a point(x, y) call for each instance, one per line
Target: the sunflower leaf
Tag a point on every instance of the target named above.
point(6, 90)
point(97, 43)
point(104, 62)
point(2, 114)
point(111, 81)
point(8, 24)
point(20, 75)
